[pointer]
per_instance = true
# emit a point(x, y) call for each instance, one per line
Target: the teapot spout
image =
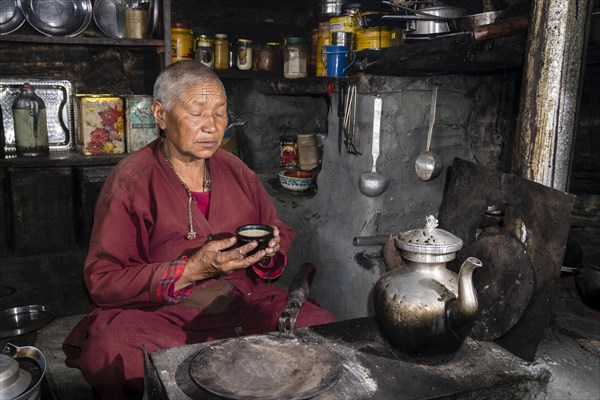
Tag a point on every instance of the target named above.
point(465, 307)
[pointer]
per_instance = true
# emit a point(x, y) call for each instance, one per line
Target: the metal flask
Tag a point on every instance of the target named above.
point(423, 308)
point(31, 127)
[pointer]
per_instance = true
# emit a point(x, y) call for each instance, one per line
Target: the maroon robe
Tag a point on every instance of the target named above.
point(138, 247)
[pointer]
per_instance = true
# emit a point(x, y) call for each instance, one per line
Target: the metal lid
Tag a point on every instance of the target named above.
point(13, 381)
point(430, 240)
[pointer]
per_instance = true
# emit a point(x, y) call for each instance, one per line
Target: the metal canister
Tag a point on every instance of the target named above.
point(100, 124)
point(140, 127)
point(182, 41)
point(31, 127)
point(347, 23)
point(288, 152)
point(377, 37)
point(324, 40)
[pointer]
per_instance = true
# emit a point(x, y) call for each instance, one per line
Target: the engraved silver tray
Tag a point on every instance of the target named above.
point(58, 99)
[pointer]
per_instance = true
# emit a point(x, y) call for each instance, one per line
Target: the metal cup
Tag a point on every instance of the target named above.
point(342, 39)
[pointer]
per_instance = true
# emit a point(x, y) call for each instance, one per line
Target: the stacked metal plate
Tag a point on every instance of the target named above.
point(58, 99)
point(57, 17)
point(11, 17)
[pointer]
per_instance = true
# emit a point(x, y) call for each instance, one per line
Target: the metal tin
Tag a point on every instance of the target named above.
point(58, 98)
point(140, 127)
point(377, 37)
point(100, 124)
point(288, 152)
point(182, 41)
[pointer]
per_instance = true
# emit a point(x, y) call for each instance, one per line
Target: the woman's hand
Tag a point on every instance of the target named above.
point(273, 247)
point(213, 259)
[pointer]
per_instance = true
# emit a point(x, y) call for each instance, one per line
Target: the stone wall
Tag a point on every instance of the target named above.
point(474, 117)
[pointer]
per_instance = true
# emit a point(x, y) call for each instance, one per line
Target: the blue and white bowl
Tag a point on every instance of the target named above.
point(296, 180)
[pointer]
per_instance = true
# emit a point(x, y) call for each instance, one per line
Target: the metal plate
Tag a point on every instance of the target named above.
point(265, 367)
point(58, 98)
point(21, 320)
point(109, 15)
point(11, 17)
point(57, 17)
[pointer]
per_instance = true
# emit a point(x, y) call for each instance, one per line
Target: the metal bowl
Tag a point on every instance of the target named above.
point(57, 17)
point(109, 16)
point(11, 17)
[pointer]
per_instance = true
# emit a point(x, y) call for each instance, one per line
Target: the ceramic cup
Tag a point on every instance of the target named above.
point(261, 233)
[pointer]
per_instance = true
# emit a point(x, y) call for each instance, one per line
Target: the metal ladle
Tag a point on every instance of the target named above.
point(429, 165)
point(372, 183)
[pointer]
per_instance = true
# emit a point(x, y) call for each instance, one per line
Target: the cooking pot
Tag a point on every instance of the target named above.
point(21, 373)
point(437, 20)
point(468, 22)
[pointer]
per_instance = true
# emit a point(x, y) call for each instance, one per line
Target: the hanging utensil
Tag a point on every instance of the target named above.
point(429, 165)
point(341, 98)
point(350, 120)
point(372, 183)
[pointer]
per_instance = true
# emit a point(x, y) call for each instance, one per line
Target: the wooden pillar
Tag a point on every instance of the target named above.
point(550, 91)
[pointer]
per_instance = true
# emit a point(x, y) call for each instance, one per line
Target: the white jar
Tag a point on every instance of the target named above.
point(244, 54)
point(308, 151)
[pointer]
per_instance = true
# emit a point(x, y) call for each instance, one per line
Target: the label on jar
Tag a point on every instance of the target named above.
point(288, 152)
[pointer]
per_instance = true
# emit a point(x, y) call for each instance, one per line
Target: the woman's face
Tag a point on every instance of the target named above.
point(196, 123)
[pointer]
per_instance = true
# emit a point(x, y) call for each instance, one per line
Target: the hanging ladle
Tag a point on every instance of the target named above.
point(372, 183)
point(429, 165)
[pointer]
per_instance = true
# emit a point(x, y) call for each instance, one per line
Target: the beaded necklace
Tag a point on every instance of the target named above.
point(191, 235)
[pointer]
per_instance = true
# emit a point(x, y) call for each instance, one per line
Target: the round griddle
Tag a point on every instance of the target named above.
point(25, 319)
point(265, 367)
point(504, 284)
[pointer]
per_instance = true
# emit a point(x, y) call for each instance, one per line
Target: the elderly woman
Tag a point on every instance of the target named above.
point(154, 277)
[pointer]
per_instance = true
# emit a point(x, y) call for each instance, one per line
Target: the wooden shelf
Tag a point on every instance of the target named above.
point(61, 159)
point(80, 40)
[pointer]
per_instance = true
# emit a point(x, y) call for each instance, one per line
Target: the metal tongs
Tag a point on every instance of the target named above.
point(297, 294)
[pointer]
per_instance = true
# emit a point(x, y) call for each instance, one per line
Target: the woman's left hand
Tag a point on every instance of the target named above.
point(273, 246)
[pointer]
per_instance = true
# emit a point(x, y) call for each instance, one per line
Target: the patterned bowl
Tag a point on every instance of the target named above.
point(296, 180)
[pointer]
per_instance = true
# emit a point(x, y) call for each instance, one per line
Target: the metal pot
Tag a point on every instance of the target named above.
point(468, 22)
point(21, 373)
point(442, 20)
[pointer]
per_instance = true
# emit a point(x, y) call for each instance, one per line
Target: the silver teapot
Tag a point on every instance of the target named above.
point(422, 307)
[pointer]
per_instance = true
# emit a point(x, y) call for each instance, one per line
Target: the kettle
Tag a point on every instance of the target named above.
point(31, 127)
point(22, 370)
point(423, 308)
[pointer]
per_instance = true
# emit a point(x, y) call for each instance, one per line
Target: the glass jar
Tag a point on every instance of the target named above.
point(182, 41)
point(268, 57)
point(295, 55)
point(308, 152)
point(244, 54)
point(221, 45)
point(204, 50)
point(30, 121)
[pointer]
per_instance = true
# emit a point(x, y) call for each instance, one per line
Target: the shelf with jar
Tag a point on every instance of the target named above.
point(137, 23)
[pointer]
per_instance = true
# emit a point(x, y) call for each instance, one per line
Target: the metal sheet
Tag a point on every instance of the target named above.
point(265, 367)
point(57, 17)
point(21, 320)
point(11, 17)
point(58, 98)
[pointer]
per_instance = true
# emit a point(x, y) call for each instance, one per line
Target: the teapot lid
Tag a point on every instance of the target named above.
point(430, 240)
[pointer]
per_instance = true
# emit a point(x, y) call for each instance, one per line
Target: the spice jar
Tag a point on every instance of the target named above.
point(288, 152)
point(308, 152)
point(221, 45)
point(268, 57)
point(31, 127)
point(244, 54)
point(295, 54)
point(204, 51)
point(182, 41)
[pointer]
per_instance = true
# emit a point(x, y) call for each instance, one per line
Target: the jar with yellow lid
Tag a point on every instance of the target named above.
point(182, 41)
point(221, 45)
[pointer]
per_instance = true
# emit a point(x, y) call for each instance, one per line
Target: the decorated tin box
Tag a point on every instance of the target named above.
point(140, 127)
point(100, 124)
